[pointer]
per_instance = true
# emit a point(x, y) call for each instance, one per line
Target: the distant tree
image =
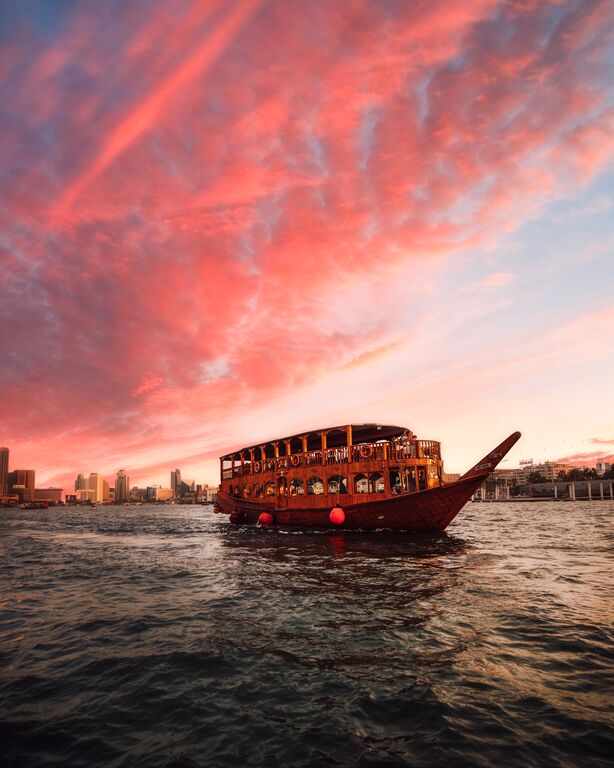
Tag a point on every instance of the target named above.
point(562, 476)
point(609, 474)
point(537, 477)
point(582, 473)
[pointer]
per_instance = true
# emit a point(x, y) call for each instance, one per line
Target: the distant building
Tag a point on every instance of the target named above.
point(122, 487)
point(4, 471)
point(164, 494)
point(105, 491)
point(209, 493)
point(138, 494)
point(22, 483)
point(548, 469)
point(95, 484)
point(175, 482)
point(51, 495)
point(80, 484)
point(601, 467)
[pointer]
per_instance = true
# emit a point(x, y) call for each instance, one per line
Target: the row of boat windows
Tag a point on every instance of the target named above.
point(315, 486)
point(374, 482)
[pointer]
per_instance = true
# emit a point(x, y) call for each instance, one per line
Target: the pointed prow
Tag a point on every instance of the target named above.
point(486, 465)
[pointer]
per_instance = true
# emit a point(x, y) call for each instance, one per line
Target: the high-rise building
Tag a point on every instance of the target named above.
point(80, 483)
point(105, 490)
point(95, 484)
point(151, 493)
point(22, 483)
point(4, 471)
point(122, 487)
point(176, 483)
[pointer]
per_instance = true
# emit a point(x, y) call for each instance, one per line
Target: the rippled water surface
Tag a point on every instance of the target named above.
point(164, 636)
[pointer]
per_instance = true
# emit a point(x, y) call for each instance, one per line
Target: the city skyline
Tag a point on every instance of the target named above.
point(382, 217)
point(96, 488)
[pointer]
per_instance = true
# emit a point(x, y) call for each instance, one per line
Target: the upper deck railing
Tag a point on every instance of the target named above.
point(385, 450)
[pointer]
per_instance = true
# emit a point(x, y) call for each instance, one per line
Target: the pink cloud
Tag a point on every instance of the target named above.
point(587, 459)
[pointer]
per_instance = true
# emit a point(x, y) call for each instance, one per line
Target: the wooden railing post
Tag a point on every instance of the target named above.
point(349, 439)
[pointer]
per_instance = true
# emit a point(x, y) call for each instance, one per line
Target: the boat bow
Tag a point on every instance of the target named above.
point(487, 465)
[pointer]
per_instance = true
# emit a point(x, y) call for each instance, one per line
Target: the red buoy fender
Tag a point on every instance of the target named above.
point(265, 519)
point(337, 515)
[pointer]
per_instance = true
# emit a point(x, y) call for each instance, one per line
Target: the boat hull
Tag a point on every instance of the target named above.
point(424, 511)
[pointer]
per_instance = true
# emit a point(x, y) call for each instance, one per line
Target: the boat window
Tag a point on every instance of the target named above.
point(361, 484)
point(296, 487)
point(296, 445)
point(336, 438)
point(395, 481)
point(269, 489)
point(247, 491)
point(376, 483)
point(315, 486)
point(258, 490)
point(421, 478)
point(269, 451)
point(282, 486)
point(314, 441)
point(407, 487)
point(337, 484)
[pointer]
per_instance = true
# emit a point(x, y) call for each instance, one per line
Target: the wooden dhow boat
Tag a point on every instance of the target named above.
point(357, 476)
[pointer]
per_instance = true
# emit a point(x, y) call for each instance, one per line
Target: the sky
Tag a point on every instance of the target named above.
point(225, 221)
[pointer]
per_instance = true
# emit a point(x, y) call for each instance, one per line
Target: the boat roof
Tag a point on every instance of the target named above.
point(361, 433)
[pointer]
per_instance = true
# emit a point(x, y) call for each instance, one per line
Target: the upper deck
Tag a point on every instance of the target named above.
point(333, 445)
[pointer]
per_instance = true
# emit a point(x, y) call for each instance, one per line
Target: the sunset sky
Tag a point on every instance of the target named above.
point(223, 221)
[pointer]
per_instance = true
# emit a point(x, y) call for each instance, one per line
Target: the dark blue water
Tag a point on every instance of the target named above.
point(162, 636)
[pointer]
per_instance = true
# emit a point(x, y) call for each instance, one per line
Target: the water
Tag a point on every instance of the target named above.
point(162, 636)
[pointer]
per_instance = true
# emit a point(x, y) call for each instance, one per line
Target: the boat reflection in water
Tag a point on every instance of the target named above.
point(354, 477)
point(346, 601)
